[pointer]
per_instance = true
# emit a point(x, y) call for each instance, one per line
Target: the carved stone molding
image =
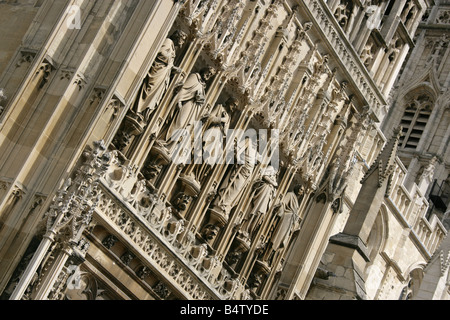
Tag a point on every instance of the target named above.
point(17, 193)
point(4, 185)
point(67, 74)
point(353, 242)
point(80, 81)
point(45, 70)
point(98, 95)
point(443, 17)
point(26, 56)
point(147, 229)
point(72, 209)
point(444, 259)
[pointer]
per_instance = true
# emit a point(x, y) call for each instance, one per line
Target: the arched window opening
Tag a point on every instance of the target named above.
point(414, 120)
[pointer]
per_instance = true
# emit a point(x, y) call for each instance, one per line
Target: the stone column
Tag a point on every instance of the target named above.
point(32, 267)
point(53, 274)
point(311, 240)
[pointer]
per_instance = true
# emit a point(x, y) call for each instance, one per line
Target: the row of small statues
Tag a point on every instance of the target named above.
point(187, 106)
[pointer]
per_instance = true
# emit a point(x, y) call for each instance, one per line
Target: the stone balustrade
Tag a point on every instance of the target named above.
point(412, 206)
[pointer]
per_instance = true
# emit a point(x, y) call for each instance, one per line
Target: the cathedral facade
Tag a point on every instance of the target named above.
point(224, 150)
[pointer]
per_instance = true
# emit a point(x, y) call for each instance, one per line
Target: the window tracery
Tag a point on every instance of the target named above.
point(443, 17)
point(414, 120)
point(412, 284)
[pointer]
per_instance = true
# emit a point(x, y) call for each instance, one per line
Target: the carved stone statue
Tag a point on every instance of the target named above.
point(151, 92)
point(285, 225)
point(262, 198)
point(181, 201)
point(426, 172)
point(408, 12)
point(373, 15)
point(218, 121)
point(216, 126)
point(157, 80)
point(237, 179)
point(188, 103)
point(392, 54)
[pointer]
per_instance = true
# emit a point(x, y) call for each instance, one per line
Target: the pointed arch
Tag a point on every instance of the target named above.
point(418, 104)
point(428, 80)
point(379, 235)
point(413, 278)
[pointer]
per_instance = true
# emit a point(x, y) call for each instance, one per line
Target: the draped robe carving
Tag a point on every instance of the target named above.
point(238, 178)
point(262, 199)
point(188, 104)
point(158, 77)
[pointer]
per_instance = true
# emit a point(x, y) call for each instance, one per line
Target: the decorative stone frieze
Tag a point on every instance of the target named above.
point(145, 230)
point(443, 17)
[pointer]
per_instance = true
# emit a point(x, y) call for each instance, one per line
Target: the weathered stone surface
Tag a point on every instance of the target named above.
point(327, 210)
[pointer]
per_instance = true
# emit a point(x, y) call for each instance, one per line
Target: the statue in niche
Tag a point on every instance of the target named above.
point(287, 222)
point(238, 178)
point(426, 172)
point(373, 14)
point(394, 50)
point(217, 124)
point(437, 51)
point(255, 280)
point(210, 231)
point(158, 78)
point(262, 198)
point(188, 103)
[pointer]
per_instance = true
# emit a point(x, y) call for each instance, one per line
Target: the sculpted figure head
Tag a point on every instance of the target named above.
point(179, 38)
